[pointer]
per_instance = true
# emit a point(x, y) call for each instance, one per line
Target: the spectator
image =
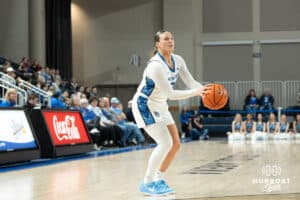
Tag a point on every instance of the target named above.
point(184, 118)
point(94, 92)
point(116, 107)
point(271, 124)
point(75, 102)
point(10, 98)
point(116, 132)
point(100, 135)
point(251, 101)
point(249, 124)
point(266, 100)
point(5, 66)
point(260, 124)
point(32, 102)
point(56, 103)
point(11, 72)
point(197, 130)
point(128, 112)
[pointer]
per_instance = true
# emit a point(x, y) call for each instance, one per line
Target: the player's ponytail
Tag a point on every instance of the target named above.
point(156, 39)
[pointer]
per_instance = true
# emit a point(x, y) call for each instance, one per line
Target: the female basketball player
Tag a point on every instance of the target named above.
point(150, 109)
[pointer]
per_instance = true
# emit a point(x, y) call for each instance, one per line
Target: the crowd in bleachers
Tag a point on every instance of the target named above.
point(104, 116)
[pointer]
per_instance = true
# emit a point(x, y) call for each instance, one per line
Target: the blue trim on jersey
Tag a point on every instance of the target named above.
point(173, 61)
point(282, 128)
point(149, 87)
point(272, 127)
point(249, 126)
point(259, 127)
point(144, 110)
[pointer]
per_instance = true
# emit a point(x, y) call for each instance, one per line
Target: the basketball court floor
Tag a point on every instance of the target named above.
point(202, 170)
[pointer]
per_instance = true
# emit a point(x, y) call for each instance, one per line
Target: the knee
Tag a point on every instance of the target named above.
point(176, 145)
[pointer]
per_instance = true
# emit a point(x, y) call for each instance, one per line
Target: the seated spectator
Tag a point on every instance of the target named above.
point(10, 98)
point(251, 101)
point(116, 132)
point(116, 107)
point(296, 124)
point(249, 124)
point(272, 124)
point(75, 102)
point(283, 124)
point(127, 131)
point(94, 92)
point(5, 66)
point(236, 125)
point(184, 117)
point(11, 73)
point(128, 112)
point(260, 124)
point(32, 102)
point(266, 100)
point(56, 103)
point(99, 134)
point(197, 130)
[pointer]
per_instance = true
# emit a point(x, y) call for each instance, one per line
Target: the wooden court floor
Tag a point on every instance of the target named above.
point(209, 170)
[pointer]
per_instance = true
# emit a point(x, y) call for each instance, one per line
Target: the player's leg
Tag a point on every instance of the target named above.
point(159, 132)
point(173, 131)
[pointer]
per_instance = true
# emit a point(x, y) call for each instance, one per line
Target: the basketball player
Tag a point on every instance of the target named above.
point(150, 109)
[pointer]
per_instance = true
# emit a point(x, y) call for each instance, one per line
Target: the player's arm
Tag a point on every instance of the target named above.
point(254, 127)
point(160, 79)
point(287, 127)
point(186, 76)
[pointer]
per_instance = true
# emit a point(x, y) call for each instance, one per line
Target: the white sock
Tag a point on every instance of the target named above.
point(159, 132)
point(159, 176)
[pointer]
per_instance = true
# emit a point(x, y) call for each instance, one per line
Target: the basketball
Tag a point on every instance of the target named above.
point(216, 98)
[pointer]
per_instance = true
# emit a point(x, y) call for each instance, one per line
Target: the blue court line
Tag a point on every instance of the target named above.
point(93, 154)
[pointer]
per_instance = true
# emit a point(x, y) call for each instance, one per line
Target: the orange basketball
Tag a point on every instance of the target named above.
point(216, 98)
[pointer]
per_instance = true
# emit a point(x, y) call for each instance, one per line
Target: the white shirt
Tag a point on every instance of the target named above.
point(159, 79)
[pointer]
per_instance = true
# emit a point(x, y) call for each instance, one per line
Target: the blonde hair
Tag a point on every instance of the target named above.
point(9, 92)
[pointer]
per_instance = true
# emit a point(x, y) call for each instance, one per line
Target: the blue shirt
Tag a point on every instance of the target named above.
point(118, 111)
point(249, 126)
point(184, 117)
point(6, 103)
point(56, 103)
point(237, 127)
point(282, 128)
point(88, 115)
point(259, 126)
point(272, 127)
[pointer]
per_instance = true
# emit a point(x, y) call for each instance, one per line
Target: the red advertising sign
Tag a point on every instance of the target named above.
point(66, 127)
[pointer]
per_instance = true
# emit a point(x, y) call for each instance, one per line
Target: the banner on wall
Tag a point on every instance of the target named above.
point(15, 131)
point(66, 127)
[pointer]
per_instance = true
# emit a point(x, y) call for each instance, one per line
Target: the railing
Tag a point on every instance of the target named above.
point(21, 94)
point(285, 93)
point(7, 77)
point(44, 97)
